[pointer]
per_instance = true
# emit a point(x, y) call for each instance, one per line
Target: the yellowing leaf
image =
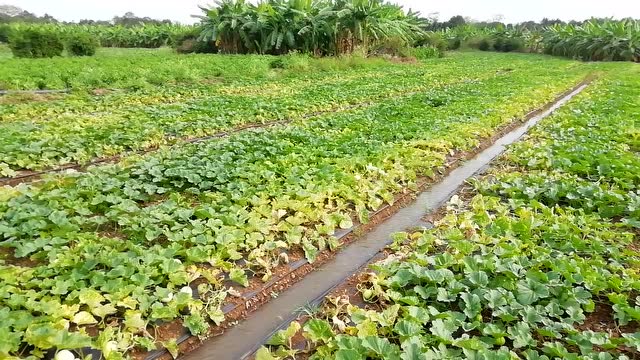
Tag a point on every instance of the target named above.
point(283, 337)
point(84, 318)
point(91, 297)
point(104, 310)
point(264, 354)
point(133, 320)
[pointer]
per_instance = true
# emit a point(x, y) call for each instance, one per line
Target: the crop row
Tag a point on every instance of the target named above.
point(536, 260)
point(275, 85)
point(68, 137)
point(263, 89)
point(230, 81)
point(95, 259)
point(124, 68)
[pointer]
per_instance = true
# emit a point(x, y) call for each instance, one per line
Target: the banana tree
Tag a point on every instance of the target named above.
point(595, 40)
point(317, 31)
point(363, 22)
point(283, 20)
point(224, 24)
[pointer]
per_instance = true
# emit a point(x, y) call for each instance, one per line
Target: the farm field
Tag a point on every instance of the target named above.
point(535, 259)
point(319, 179)
point(102, 257)
point(79, 128)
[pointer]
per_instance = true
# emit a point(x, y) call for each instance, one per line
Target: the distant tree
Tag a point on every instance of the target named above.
point(48, 18)
point(433, 24)
point(94, 22)
point(456, 21)
point(530, 25)
point(549, 22)
point(129, 19)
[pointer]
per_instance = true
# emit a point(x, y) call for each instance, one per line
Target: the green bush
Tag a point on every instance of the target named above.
point(292, 61)
point(297, 62)
point(193, 45)
point(513, 44)
point(81, 44)
point(478, 42)
point(5, 30)
point(433, 40)
point(392, 46)
point(484, 44)
point(454, 44)
point(508, 43)
point(427, 52)
point(188, 43)
point(32, 43)
point(277, 63)
point(498, 43)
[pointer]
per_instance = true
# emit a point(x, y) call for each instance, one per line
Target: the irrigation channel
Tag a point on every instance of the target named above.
point(242, 340)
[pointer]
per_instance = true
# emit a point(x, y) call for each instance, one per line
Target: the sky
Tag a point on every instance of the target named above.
point(508, 10)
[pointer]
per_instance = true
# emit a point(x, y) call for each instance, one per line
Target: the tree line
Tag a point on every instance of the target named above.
point(10, 14)
point(434, 24)
point(335, 27)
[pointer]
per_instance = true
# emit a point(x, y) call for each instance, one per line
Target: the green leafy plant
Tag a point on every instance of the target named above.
point(34, 43)
point(190, 42)
point(595, 40)
point(426, 52)
point(118, 248)
point(324, 28)
point(524, 262)
point(5, 31)
point(81, 45)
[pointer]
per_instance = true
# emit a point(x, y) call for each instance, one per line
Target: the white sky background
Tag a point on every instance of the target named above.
point(180, 10)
